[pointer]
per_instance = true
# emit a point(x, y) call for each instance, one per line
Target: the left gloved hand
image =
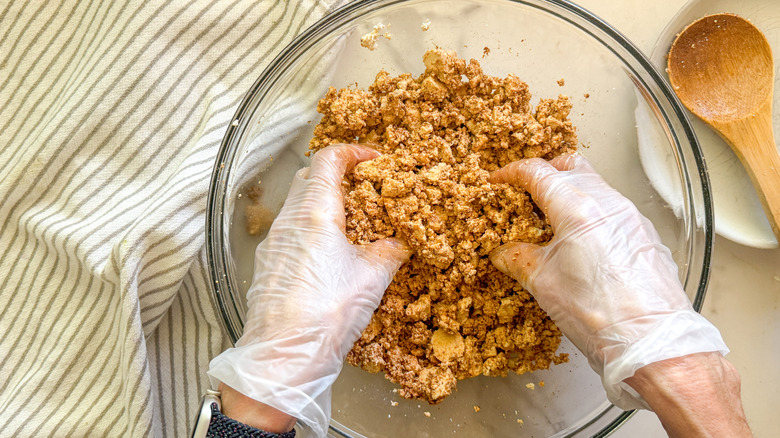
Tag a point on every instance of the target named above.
point(312, 295)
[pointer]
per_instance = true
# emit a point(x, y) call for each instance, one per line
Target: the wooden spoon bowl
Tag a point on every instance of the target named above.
point(722, 70)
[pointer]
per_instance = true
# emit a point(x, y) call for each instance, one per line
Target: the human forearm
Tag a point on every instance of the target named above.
point(694, 396)
point(253, 413)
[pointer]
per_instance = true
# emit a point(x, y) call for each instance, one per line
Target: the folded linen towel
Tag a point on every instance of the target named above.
point(111, 114)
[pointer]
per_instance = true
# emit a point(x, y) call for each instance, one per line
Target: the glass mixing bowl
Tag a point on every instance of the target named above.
point(614, 89)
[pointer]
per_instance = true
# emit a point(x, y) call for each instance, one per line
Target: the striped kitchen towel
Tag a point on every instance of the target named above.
point(111, 113)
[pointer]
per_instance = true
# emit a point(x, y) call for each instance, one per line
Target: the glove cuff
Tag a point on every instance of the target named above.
point(667, 336)
point(263, 372)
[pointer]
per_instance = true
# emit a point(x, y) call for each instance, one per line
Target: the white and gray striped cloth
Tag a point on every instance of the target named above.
point(111, 113)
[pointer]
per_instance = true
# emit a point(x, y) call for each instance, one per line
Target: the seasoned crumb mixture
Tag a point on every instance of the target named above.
point(448, 314)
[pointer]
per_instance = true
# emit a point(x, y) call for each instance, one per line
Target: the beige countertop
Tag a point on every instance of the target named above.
point(743, 298)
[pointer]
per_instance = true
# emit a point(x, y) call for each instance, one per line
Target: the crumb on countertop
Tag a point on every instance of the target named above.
point(425, 25)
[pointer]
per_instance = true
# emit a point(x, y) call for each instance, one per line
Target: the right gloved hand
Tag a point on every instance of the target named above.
point(605, 278)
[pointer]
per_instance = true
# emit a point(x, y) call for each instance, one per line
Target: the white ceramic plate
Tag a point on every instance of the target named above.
point(738, 212)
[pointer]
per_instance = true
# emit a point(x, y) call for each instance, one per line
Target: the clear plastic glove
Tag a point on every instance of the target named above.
point(605, 278)
point(312, 295)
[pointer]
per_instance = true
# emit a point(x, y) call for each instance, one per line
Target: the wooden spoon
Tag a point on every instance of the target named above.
point(721, 68)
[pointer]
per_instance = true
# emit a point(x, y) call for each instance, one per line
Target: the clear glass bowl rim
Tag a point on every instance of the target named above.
point(217, 238)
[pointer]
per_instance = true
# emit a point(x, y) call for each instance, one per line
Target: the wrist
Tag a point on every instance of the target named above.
point(626, 347)
point(694, 395)
point(690, 376)
point(254, 413)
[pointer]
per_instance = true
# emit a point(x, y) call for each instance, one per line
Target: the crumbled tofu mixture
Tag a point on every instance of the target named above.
point(448, 314)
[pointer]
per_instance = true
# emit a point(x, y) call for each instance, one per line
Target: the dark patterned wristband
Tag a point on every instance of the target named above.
point(224, 427)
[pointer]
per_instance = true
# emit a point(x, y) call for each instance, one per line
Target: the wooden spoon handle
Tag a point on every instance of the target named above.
point(753, 142)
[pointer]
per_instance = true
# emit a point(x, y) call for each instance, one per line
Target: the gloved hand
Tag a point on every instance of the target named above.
point(312, 295)
point(605, 278)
